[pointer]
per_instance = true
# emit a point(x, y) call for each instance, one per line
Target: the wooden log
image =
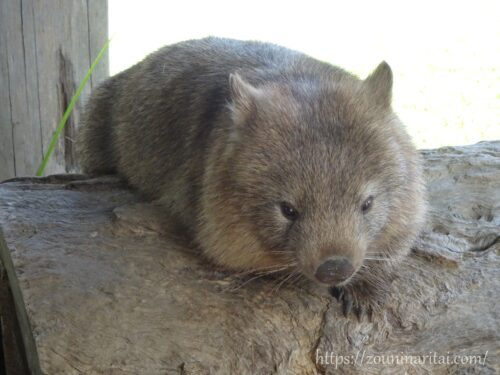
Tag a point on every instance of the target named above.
point(46, 48)
point(102, 285)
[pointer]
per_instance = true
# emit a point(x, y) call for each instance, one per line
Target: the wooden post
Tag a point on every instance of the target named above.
point(46, 48)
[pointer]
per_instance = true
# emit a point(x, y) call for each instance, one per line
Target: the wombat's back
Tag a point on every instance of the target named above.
point(152, 122)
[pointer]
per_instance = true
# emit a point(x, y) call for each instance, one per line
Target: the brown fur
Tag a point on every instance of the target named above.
point(222, 131)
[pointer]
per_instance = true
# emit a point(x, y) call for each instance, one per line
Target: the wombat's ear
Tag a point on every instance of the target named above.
point(243, 95)
point(379, 84)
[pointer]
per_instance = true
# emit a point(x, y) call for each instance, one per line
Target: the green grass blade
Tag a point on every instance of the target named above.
point(68, 111)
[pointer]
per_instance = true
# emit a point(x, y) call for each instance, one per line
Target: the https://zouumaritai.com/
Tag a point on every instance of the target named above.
point(363, 358)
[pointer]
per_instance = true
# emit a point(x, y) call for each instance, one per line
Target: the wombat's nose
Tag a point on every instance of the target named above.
point(334, 270)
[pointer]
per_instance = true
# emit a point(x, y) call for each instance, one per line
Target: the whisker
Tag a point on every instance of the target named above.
point(297, 274)
point(258, 269)
point(283, 280)
point(379, 259)
point(263, 274)
point(243, 284)
point(298, 277)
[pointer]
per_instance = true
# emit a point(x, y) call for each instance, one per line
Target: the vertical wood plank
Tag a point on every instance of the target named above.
point(31, 71)
point(24, 101)
point(98, 35)
point(46, 48)
point(7, 163)
point(63, 61)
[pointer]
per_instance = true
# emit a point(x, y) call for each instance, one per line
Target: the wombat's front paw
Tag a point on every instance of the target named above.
point(358, 299)
point(349, 302)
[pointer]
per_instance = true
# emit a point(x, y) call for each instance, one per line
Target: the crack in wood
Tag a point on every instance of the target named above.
point(320, 367)
point(66, 91)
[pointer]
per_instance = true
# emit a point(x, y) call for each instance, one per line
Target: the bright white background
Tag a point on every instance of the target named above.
point(445, 55)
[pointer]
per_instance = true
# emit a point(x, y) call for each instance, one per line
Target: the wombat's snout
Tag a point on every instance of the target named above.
point(334, 270)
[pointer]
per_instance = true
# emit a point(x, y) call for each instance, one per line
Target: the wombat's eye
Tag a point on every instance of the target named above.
point(367, 204)
point(288, 211)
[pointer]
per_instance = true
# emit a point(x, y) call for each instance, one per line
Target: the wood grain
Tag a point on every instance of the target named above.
point(46, 49)
point(103, 286)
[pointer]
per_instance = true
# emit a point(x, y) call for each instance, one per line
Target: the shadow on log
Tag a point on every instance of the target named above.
point(102, 286)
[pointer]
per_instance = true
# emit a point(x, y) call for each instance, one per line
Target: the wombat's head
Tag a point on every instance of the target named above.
point(322, 174)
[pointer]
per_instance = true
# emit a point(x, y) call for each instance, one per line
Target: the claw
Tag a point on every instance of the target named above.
point(347, 304)
point(337, 292)
point(369, 313)
point(359, 311)
point(361, 302)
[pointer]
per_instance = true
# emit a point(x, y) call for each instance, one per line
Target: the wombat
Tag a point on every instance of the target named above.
point(273, 160)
